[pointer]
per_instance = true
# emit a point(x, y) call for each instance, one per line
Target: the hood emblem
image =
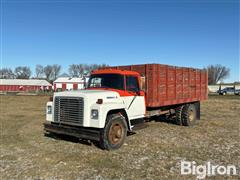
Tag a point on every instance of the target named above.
point(111, 97)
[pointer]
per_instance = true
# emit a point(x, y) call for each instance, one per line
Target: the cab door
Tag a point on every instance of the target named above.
point(134, 101)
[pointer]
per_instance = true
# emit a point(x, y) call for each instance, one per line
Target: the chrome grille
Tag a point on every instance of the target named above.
point(69, 110)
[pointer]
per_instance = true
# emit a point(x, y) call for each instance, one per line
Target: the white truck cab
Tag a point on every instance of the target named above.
point(110, 106)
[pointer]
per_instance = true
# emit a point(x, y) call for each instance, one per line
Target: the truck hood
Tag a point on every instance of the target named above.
point(106, 95)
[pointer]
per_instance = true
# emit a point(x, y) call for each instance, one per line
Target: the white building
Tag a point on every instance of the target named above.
point(216, 87)
point(67, 83)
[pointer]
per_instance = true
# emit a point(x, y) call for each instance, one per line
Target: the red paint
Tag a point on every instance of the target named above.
point(167, 85)
point(16, 88)
point(75, 86)
point(64, 87)
point(115, 71)
point(69, 82)
point(120, 92)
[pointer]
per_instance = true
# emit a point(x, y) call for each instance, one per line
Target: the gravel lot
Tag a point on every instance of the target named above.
point(152, 153)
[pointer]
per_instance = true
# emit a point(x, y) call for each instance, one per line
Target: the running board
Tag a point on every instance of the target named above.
point(139, 126)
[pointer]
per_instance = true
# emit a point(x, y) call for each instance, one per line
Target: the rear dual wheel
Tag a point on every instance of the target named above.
point(186, 115)
point(189, 115)
point(178, 112)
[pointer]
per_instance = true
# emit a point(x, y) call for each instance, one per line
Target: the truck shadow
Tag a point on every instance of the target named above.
point(164, 119)
point(76, 140)
point(72, 139)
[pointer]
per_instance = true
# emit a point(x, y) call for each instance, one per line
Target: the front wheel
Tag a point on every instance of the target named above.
point(114, 132)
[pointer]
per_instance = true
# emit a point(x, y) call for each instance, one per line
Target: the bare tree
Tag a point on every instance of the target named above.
point(6, 73)
point(86, 68)
point(22, 72)
point(217, 73)
point(39, 71)
point(91, 67)
point(48, 72)
point(104, 65)
point(55, 71)
point(76, 70)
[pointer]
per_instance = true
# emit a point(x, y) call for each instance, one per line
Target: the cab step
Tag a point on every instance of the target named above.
point(139, 126)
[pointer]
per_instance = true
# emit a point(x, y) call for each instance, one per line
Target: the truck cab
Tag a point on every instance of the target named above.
point(111, 105)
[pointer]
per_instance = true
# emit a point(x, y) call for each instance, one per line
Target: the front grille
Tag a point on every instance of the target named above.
point(69, 110)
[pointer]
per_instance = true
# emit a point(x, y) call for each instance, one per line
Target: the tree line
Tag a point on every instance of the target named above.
point(216, 73)
point(48, 72)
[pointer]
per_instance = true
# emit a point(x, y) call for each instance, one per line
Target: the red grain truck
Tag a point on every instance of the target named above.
point(118, 99)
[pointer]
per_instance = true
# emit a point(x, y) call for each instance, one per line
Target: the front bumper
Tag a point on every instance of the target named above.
point(79, 132)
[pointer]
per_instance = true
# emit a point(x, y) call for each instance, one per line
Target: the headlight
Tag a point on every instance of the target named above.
point(94, 114)
point(49, 109)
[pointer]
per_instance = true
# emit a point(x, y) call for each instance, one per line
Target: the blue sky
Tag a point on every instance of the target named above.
point(186, 33)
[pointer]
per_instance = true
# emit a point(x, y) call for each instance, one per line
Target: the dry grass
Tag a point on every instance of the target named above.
point(153, 153)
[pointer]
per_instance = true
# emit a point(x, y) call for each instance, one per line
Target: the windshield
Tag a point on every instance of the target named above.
point(114, 81)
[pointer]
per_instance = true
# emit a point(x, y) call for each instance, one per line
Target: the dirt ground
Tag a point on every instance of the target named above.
point(152, 153)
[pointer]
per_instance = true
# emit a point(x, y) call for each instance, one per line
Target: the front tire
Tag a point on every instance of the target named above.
point(189, 115)
point(114, 132)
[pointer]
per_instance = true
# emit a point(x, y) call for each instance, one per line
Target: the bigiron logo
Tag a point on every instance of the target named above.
point(208, 169)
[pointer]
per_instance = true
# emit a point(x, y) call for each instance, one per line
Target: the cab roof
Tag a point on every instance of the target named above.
point(115, 71)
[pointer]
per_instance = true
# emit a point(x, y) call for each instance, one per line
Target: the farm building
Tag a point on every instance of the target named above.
point(67, 83)
point(15, 85)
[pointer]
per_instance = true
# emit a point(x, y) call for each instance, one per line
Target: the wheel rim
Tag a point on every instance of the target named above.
point(116, 133)
point(191, 115)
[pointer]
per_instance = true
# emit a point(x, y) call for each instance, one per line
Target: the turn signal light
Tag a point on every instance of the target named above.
point(51, 98)
point(99, 101)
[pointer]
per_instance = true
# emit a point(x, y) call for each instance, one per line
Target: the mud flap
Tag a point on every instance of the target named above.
point(197, 106)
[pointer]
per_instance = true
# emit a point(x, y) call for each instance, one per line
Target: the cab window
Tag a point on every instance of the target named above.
point(132, 84)
point(114, 81)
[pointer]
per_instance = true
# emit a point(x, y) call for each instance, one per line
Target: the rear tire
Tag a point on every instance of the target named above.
point(189, 115)
point(114, 132)
point(178, 112)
